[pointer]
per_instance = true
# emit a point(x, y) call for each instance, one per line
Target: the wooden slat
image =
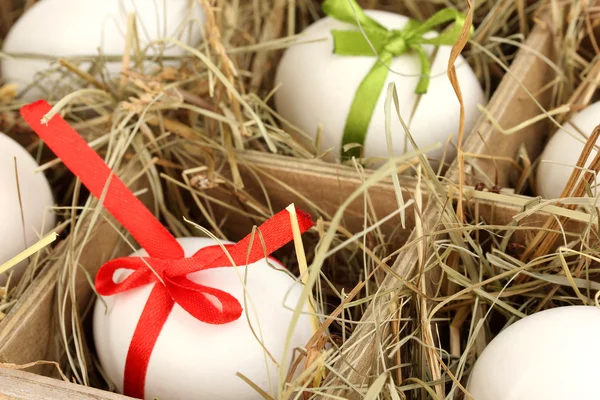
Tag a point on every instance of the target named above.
point(324, 184)
point(20, 385)
point(24, 332)
point(511, 105)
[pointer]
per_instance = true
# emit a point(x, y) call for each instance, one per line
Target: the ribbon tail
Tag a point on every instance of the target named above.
point(270, 236)
point(363, 106)
point(146, 334)
point(274, 233)
point(424, 80)
point(93, 172)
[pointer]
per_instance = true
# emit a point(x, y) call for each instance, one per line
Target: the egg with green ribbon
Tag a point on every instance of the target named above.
point(334, 82)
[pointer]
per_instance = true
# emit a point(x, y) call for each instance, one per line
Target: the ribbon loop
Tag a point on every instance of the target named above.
point(354, 43)
point(439, 18)
point(386, 44)
point(349, 11)
point(105, 284)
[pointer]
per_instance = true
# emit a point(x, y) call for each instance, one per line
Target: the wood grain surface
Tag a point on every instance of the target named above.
point(21, 385)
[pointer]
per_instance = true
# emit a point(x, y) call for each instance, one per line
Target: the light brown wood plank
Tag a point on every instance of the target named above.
point(21, 385)
point(511, 105)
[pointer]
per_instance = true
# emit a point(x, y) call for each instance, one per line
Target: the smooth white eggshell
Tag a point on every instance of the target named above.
point(550, 355)
point(36, 198)
point(318, 86)
point(563, 150)
point(193, 359)
point(63, 28)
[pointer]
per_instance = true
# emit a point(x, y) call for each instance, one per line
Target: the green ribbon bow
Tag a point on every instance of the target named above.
point(387, 44)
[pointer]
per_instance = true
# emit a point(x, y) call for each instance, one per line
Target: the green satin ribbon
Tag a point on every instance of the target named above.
point(387, 44)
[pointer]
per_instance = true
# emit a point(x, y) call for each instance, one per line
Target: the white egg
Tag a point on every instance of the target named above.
point(550, 355)
point(25, 209)
point(68, 28)
point(318, 87)
point(193, 359)
point(563, 150)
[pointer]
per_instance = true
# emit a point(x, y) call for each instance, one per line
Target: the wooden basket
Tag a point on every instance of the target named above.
point(26, 333)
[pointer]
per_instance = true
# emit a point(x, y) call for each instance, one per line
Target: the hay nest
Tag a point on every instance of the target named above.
point(182, 133)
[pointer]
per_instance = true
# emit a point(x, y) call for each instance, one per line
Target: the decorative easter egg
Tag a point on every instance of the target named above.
point(563, 150)
point(318, 88)
point(550, 355)
point(192, 359)
point(25, 202)
point(88, 28)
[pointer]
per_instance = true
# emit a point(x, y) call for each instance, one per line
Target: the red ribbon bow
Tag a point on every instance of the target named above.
point(169, 267)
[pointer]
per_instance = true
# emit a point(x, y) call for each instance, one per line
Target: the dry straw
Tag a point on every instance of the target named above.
point(428, 308)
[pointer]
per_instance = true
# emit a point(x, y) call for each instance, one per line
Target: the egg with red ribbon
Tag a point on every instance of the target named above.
point(193, 359)
point(187, 318)
point(26, 203)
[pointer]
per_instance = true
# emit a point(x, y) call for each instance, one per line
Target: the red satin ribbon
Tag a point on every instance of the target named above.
point(166, 256)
